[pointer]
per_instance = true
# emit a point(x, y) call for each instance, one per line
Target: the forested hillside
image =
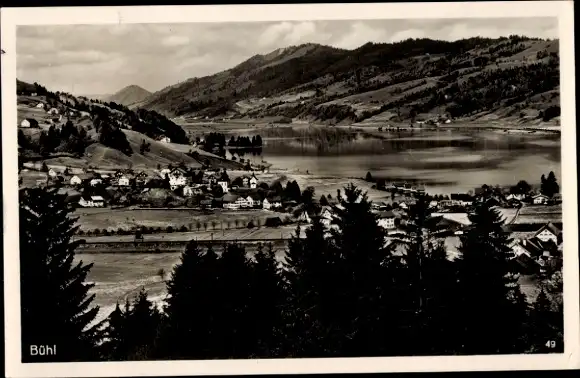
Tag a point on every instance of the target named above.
point(512, 77)
point(85, 131)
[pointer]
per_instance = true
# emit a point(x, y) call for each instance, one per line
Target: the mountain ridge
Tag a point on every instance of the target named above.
point(415, 78)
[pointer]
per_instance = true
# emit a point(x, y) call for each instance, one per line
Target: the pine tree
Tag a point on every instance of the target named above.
point(309, 274)
point(115, 346)
point(233, 313)
point(550, 185)
point(492, 314)
point(187, 332)
point(267, 297)
point(56, 306)
point(363, 276)
point(543, 328)
point(143, 321)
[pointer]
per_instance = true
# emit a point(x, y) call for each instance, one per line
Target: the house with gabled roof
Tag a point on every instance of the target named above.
point(549, 232)
point(142, 178)
point(386, 219)
point(540, 199)
point(326, 215)
point(272, 203)
point(254, 200)
point(224, 182)
point(229, 201)
point(253, 181)
point(76, 180)
point(177, 178)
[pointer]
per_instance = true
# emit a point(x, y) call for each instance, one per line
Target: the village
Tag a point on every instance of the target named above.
point(537, 246)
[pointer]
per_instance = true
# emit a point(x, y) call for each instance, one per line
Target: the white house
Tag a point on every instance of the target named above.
point(75, 180)
point(52, 173)
point(253, 182)
point(230, 201)
point(40, 105)
point(224, 182)
point(177, 178)
point(519, 249)
point(387, 220)
point(29, 122)
point(164, 172)
point(124, 181)
point(98, 201)
point(403, 205)
point(253, 200)
point(433, 204)
point(540, 199)
point(266, 205)
point(326, 216)
point(517, 196)
point(96, 181)
point(272, 203)
point(53, 111)
point(92, 201)
point(187, 191)
point(549, 232)
point(165, 140)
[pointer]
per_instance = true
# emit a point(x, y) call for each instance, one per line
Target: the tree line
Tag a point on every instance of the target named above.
point(338, 292)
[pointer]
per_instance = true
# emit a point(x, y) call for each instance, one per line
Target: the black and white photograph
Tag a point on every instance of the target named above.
point(270, 189)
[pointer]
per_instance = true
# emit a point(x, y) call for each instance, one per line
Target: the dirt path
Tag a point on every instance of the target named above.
point(515, 217)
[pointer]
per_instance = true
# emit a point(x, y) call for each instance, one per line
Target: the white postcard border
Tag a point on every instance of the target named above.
point(10, 18)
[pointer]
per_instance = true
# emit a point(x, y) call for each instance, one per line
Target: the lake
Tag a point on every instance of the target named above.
point(445, 161)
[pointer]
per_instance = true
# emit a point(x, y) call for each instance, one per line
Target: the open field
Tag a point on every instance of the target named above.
point(236, 234)
point(539, 214)
point(113, 219)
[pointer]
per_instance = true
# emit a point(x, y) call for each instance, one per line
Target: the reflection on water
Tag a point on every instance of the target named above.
point(450, 160)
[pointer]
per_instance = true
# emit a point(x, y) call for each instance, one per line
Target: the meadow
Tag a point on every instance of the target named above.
point(128, 218)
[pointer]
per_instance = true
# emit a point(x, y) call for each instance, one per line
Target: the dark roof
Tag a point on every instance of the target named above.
point(386, 214)
point(32, 121)
point(461, 197)
point(230, 197)
point(224, 177)
point(274, 199)
point(255, 196)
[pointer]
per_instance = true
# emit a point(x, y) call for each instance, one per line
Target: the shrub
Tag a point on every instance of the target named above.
point(169, 229)
point(251, 224)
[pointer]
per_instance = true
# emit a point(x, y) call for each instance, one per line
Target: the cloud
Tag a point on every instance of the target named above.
point(359, 34)
point(104, 58)
point(175, 40)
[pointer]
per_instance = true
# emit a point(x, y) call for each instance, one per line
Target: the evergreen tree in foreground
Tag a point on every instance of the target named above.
point(131, 334)
point(189, 302)
point(56, 306)
point(493, 309)
point(310, 275)
point(364, 303)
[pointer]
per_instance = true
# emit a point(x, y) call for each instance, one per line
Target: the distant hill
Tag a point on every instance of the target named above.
point(129, 95)
point(474, 79)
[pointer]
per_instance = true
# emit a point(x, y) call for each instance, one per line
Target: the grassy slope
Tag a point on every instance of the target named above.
point(100, 156)
point(255, 87)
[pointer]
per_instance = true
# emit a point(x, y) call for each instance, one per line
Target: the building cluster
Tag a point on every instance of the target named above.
point(541, 252)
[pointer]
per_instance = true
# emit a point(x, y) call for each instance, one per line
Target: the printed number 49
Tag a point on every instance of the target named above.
point(551, 344)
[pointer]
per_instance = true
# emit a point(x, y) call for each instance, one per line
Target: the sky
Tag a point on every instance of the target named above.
point(102, 59)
